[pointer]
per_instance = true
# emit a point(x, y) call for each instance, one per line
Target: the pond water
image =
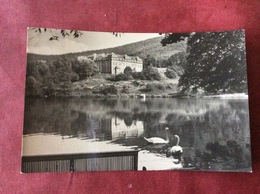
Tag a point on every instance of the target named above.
point(214, 133)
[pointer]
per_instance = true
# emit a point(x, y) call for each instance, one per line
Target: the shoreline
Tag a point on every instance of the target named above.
point(150, 96)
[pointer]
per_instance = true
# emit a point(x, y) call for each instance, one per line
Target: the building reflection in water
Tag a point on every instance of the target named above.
point(120, 129)
point(110, 128)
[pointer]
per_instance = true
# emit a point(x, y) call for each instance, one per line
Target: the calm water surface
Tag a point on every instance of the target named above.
point(214, 133)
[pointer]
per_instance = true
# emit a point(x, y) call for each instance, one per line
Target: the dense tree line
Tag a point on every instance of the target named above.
point(148, 73)
point(175, 65)
point(84, 68)
point(177, 59)
point(54, 78)
point(216, 62)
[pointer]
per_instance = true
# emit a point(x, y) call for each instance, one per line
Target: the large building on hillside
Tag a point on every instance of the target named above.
point(114, 64)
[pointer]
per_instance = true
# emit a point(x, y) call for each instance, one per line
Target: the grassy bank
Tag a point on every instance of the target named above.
point(100, 86)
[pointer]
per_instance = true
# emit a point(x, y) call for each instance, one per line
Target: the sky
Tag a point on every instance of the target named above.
point(39, 43)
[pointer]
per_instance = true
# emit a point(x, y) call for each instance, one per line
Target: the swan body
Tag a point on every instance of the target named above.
point(155, 140)
point(176, 150)
point(158, 140)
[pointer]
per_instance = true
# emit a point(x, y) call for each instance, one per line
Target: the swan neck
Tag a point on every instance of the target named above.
point(167, 136)
point(178, 140)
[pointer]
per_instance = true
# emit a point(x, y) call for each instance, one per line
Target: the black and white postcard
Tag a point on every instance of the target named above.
point(110, 101)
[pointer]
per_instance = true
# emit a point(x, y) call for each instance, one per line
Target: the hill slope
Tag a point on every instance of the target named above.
point(151, 47)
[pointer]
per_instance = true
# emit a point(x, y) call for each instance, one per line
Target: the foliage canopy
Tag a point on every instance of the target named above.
point(216, 62)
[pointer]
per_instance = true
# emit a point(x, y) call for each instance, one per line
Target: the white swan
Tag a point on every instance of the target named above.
point(142, 96)
point(158, 140)
point(175, 150)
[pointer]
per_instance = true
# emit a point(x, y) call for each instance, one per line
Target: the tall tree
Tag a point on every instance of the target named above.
point(215, 63)
point(85, 68)
point(149, 61)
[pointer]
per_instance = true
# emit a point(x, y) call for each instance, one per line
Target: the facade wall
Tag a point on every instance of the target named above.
point(119, 66)
point(116, 64)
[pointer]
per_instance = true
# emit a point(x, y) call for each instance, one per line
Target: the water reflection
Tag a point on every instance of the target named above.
point(214, 133)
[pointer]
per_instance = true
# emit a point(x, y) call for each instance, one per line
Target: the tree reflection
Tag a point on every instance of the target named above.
point(230, 156)
point(214, 133)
